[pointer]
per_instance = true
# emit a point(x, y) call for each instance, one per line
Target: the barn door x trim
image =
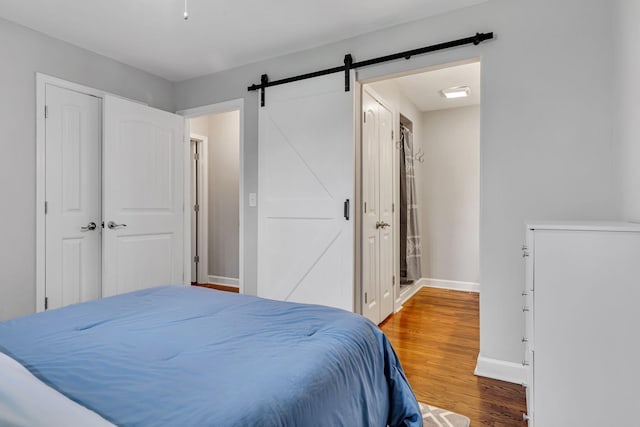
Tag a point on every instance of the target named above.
point(350, 65)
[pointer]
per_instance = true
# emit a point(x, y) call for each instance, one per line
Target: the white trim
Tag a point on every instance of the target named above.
point(203, 247)
point(226, 281)
point(410, 291)
point(453, 285)
point(500, 370)
point(224, 107)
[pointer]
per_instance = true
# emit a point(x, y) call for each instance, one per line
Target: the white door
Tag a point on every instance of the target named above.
point(377, 184)
point(306, 174)
point(73, 195)
point(143, 189)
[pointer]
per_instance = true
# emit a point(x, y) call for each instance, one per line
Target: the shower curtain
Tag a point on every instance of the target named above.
point(410, 244)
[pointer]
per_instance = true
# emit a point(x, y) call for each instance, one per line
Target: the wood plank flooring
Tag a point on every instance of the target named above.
point(436, 336)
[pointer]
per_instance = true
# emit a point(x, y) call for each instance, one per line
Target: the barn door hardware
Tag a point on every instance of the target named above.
point(350, 65)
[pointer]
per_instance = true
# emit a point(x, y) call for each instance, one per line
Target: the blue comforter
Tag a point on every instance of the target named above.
point(182, 356)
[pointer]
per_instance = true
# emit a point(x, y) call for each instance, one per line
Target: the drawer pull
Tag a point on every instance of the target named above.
point(526, 308)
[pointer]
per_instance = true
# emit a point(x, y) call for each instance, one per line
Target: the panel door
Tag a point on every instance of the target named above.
point(306, 173)
point(386, 146)
point(377, 185)
point(370, 209)
point(143, 197)
point(73, 195)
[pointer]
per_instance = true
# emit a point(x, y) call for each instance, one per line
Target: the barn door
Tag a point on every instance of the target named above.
point(143, 188)
point(306, 187)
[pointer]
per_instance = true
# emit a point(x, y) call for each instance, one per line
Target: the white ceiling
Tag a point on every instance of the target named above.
point(151, 34)
point(424, 89)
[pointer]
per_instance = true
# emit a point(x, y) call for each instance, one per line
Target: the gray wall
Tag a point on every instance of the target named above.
point(224, 213)
point(23, 53)
point(627, 89)
point(449, 194)
point(546, 127)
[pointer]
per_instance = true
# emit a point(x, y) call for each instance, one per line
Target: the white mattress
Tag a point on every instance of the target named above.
point(26, 401)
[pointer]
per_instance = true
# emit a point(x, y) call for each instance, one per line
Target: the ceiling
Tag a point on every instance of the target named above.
point(424, 89)
point(220, 34)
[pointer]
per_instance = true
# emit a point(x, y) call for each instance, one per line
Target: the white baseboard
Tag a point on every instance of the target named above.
point(411, 291)
point(227, 281)
point(451, 284)
point(501, 370)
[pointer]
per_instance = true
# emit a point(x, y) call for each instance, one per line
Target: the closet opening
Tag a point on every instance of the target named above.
point(215, 195)
point(420, 180)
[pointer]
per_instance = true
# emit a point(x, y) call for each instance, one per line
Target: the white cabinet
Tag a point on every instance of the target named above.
point(580, 342)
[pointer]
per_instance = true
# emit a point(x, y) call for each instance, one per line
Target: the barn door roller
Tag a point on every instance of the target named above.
point(350, 65)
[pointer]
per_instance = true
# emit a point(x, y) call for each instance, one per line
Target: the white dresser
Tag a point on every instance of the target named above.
point(582, 324)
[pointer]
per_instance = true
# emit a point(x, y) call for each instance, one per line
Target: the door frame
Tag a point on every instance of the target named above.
point(218, 108)
point(395, 169)
point(202, 272)
point(42, 80)
point(391, 70)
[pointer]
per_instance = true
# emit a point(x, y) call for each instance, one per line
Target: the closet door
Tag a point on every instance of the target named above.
point(377, 189)
point(143, 185)
point(370, 209)
point(73, 193)
point(306, 174)
point(385, 136)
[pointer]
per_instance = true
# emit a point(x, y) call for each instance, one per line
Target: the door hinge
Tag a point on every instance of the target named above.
point(364, 117)
point(196, 156)
point(365, 207)
point(392, 134)
point(46, 208)
point(394, 280)
point(46, 303)
point(196, 208)
point(365, 297)
point(393, 207)
point(196, 259)
point(46, 111)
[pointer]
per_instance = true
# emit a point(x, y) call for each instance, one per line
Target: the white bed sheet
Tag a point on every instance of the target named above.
point(25, 401)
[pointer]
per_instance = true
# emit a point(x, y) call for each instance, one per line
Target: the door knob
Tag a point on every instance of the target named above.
point(113, 226)
point(91, 226)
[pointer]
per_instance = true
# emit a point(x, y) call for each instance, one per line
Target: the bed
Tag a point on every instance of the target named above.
point(187, 356)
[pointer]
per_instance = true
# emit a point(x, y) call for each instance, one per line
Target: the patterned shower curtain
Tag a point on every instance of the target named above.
point(411, 246)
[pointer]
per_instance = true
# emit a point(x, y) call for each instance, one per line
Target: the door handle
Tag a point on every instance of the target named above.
point(382, 224)
point(90, 227)
point(113, 226)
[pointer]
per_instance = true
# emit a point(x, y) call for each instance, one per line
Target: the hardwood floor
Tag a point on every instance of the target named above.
point(436, 336)
point(218, 287)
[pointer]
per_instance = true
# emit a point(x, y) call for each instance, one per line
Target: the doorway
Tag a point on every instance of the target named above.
point(216, 195)
point(434, 182)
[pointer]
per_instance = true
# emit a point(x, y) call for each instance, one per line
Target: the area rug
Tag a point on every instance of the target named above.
point(436, 417)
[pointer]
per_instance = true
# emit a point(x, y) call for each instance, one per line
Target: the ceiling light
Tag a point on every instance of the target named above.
point(456, 92)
